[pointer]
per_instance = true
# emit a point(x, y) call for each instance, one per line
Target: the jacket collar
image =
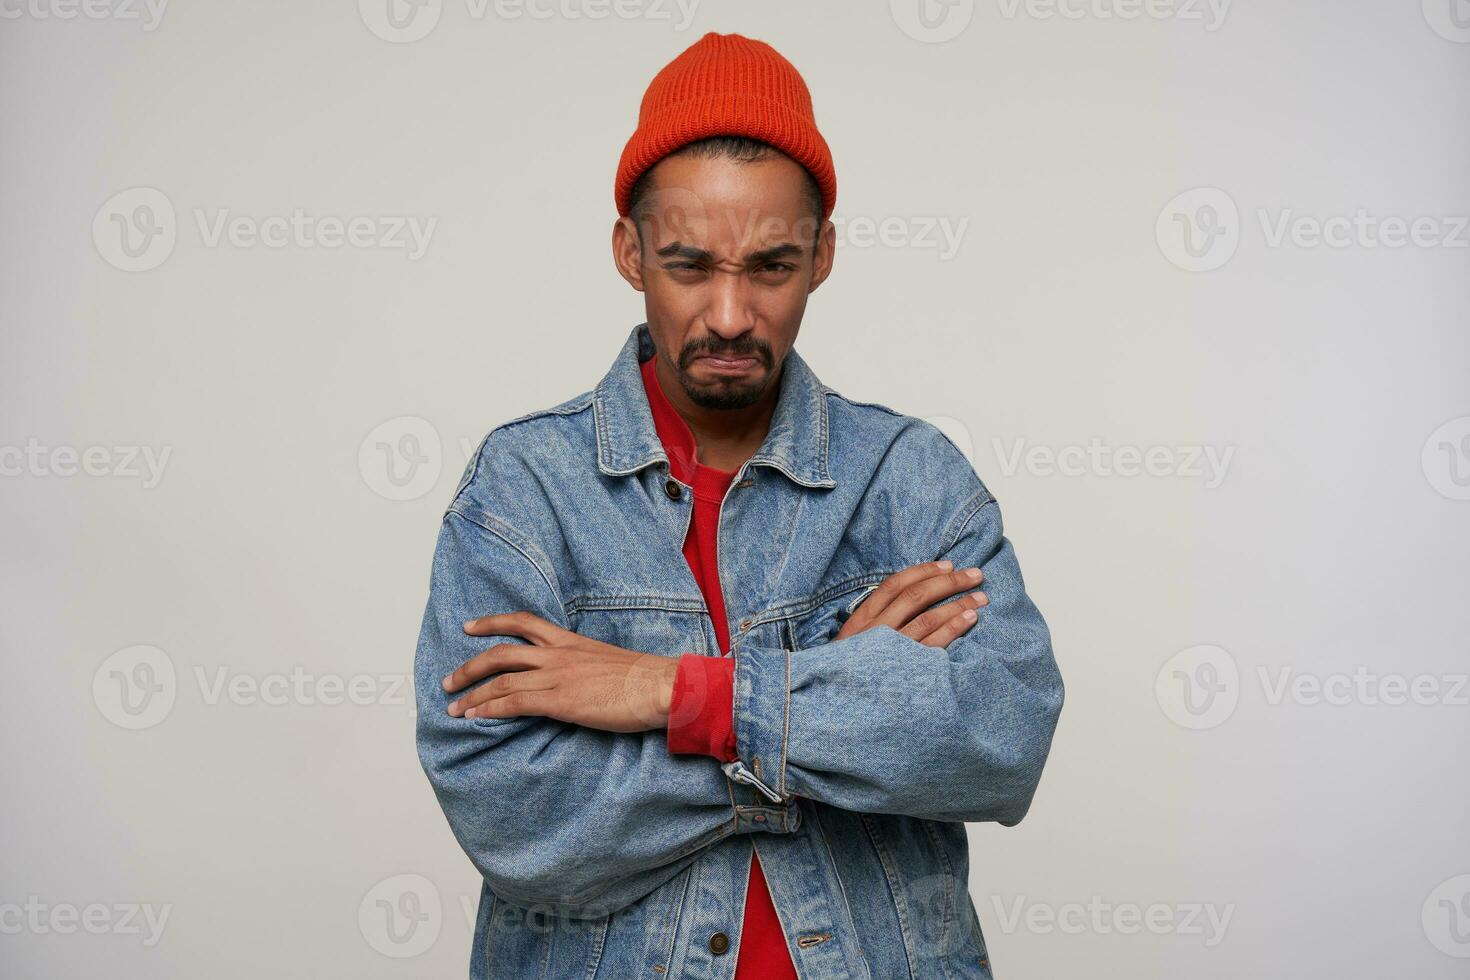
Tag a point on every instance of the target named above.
point(627, 441)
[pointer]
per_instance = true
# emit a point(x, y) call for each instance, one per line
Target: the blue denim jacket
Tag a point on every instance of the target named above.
point(859, 760)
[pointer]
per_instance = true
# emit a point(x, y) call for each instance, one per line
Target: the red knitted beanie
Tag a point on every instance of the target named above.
point(727, 85)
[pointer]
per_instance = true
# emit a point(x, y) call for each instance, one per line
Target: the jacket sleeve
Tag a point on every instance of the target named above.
point(573, 819)
point(878, 722)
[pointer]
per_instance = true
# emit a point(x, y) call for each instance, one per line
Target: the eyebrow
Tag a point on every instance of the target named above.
point(681, 251)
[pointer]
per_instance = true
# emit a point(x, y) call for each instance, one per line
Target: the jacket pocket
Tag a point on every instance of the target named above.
point(663, 631)
point(820, 616)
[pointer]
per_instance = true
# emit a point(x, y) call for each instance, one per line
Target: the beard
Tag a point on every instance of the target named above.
point(725, 394)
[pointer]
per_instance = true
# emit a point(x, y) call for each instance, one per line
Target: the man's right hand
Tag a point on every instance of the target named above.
point(901, 601)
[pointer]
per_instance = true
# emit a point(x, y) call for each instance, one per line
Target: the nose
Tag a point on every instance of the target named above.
point(729, 313)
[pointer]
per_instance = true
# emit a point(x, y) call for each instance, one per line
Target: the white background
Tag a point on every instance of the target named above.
point(1330, 830)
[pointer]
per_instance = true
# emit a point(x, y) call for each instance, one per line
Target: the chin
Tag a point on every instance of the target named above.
point(724, 394)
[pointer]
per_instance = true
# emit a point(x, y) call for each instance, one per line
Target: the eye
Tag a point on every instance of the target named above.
point(777, 267)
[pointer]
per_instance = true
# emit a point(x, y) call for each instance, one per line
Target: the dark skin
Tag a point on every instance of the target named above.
point(729, 253)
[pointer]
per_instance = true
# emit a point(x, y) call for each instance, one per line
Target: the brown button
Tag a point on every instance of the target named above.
point(672, 488)
point(719, 943)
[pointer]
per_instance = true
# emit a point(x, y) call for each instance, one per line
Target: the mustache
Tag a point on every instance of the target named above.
point(741, 347)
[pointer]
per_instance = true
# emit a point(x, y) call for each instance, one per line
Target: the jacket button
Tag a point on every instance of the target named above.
point(719, 943)
point(744, 625)
point(672, 488)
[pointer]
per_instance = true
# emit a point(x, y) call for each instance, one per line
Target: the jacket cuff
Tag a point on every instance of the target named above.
point(701, 715)
point(762, 712)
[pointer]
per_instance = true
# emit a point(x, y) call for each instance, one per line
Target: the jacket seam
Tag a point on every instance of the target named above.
point(608, 603)
point(500, 529)
point(973, 506)
point(785, 725)
point(800, 607)
point(900, 907)
point(572, 406)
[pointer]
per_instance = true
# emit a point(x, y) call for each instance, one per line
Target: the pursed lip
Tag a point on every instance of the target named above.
point(742, 362)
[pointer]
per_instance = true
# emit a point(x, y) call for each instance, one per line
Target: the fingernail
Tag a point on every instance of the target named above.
point(973, 573)
point(980, 597)
point(968, 615)
point(470, 713)
point(945, 565)
point(467, 624)
point(445, 683)
point(453, 706)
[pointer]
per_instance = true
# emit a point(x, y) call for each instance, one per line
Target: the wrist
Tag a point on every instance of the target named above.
point(667, 674)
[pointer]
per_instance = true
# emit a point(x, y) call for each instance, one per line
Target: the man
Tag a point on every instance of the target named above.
point(646, 790)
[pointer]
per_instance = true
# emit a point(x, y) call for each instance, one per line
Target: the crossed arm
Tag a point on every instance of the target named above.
point(549, 772)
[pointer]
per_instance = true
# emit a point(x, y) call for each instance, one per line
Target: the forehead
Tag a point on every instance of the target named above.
point(725, 206)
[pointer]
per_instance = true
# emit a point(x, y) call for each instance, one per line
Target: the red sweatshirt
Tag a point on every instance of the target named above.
point(763, 954)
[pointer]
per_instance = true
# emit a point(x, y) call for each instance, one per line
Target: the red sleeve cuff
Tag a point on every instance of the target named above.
point(701, 710)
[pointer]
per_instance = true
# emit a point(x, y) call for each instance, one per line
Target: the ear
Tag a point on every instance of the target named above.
point(628, 252)
point(825, 254)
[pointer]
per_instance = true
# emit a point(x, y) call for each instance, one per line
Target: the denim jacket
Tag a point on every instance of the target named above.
point(602, 855)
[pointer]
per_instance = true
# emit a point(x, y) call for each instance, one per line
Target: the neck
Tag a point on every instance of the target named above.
point(724, 437)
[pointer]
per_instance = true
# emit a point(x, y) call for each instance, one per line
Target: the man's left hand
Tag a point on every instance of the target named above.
point(562, 675)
